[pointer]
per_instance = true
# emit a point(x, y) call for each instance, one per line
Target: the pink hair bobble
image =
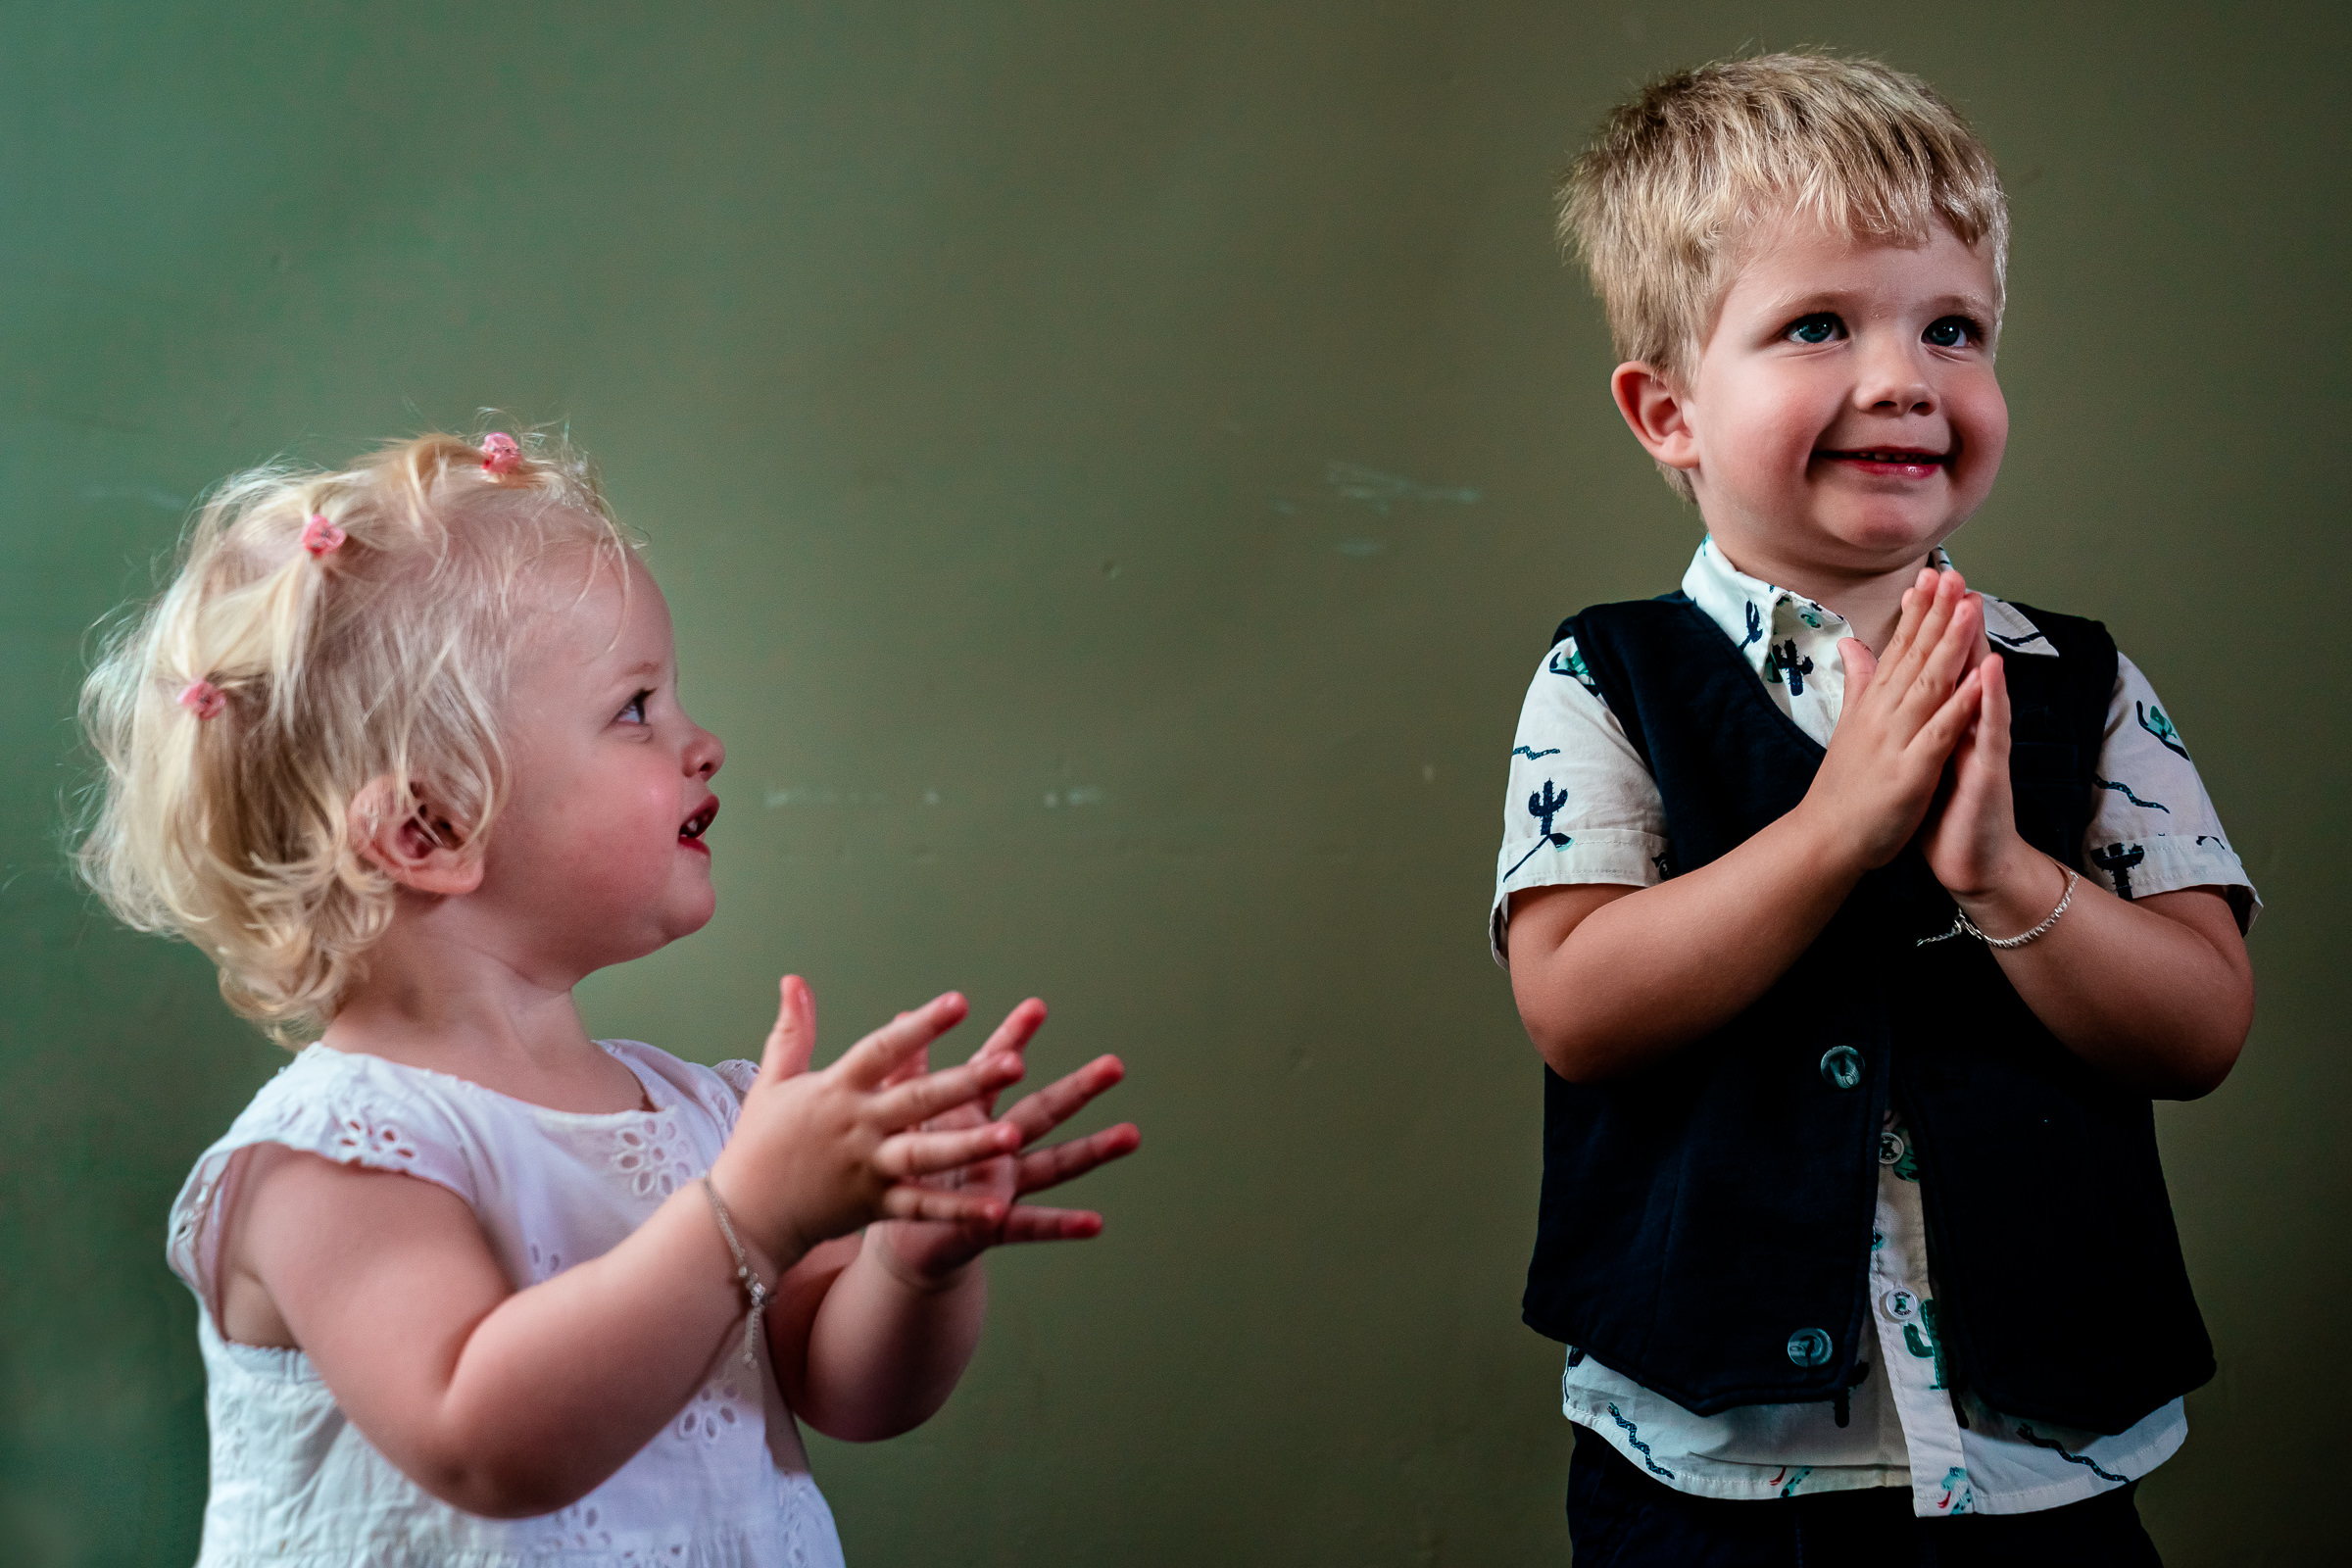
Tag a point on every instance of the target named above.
point(502, 454)
point(203, 698)
point(321, 537)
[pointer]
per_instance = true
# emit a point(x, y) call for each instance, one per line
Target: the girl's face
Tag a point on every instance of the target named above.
point(597, 850)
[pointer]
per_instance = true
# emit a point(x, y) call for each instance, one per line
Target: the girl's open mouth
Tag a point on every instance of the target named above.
point(691, 831)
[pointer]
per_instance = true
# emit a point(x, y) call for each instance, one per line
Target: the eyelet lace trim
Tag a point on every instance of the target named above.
point(652, 1154)
point(363, 1139)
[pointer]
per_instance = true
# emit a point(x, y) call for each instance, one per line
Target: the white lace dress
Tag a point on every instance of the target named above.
point(294, 1485)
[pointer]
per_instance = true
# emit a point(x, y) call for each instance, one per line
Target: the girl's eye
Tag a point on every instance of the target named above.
point(1819, 327)
point(633, 712)
point(1950, 332)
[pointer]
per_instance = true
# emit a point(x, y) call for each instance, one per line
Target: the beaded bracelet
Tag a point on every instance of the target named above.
point(757, 1294)
point(1962, 924)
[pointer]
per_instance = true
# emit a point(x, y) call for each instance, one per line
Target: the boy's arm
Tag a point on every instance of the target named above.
point(2157, 992)
point(1609, 979)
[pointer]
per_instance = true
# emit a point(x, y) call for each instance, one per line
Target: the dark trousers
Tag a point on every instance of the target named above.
point(1618, 1517)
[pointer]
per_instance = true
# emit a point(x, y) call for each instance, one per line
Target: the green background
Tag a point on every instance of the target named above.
point(1116, 467)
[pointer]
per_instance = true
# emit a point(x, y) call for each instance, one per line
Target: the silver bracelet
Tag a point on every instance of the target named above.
point(1962, 924)
point(757, 1294)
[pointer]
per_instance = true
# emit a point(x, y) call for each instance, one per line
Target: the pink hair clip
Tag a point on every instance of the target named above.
point(502, 454)
point(203, 698)
point(321, 537)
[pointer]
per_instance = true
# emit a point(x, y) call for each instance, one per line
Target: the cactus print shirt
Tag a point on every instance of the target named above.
point(1583, 808)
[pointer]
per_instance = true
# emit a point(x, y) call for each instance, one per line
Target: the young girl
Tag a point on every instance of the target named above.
point(401, 749)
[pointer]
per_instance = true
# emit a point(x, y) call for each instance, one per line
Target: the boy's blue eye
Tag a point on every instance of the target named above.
point(1949, 332)
point(1819, 327)
point(633, 710)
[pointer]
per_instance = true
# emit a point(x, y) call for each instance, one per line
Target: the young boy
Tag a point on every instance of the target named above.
point(1856, 916)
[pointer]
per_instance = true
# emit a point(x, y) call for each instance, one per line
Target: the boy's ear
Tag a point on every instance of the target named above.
point(419, 848)
point(1657, 412)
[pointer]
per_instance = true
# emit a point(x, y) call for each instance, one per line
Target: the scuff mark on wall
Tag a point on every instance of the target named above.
point(817, 795)
point(161, 500)
point(1382, 491)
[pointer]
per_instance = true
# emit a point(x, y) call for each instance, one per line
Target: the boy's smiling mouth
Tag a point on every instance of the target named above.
point(691, 831)
point(1907, 462)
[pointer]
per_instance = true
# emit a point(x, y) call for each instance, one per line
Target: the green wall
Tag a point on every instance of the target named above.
point(1114, 466)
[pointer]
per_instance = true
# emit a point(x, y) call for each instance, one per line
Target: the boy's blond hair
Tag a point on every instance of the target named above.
point(231, 821)
point(1657, 207)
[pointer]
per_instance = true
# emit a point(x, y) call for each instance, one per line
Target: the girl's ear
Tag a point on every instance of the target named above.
point(422, 850)
point(1657, 412)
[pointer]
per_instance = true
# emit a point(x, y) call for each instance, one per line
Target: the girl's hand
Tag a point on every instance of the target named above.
point(1904, 713)
point(819, 1154)
point(928, 1253)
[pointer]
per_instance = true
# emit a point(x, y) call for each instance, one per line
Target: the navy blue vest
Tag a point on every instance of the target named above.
point(1706, 1223)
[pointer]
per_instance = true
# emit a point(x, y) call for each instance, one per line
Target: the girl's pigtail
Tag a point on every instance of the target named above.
point(332, 645)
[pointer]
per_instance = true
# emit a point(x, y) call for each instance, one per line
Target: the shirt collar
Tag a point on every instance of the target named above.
point(1754, 613)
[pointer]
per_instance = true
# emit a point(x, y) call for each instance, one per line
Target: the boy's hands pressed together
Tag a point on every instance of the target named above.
point(1905, 714)
point(1610, 979)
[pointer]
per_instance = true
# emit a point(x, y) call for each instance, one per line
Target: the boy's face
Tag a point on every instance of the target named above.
point(1844, 415)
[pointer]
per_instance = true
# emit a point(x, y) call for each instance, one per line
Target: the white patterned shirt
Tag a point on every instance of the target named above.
point(1583, 808)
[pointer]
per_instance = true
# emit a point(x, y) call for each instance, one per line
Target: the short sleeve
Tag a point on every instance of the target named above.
point(738, 1075)
point(1580, 806)
point(2153, 828)
point(339, 1105)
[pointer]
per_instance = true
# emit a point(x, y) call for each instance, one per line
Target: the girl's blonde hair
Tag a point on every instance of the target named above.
point(358, 681)
point(1657, 206)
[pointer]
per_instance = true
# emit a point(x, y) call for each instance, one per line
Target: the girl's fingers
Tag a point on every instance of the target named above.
point(1026, 1224)
point(906, 1156)
point(908, 1071)
point(1040, 1113)
point(946, 1207)
point(1050, 1167)
point(1019, 1027)
point(793, 1040)
point(871, 1060)
point(926, 1096)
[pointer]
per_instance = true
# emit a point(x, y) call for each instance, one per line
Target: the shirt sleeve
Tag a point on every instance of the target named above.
point(1581, 807)
point(2153, 828)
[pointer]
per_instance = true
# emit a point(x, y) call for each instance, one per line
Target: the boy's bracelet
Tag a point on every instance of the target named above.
point(1962, 924)
point(757, 1294)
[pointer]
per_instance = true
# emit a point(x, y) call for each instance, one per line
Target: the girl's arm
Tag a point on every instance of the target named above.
point(514, 1402)
point(2157, 992)
point(1612, 979)
point(872, 1334)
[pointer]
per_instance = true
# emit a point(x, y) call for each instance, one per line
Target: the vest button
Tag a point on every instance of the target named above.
point(1891, 1148)
point(1810, 1347)
point(1842, 1067)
